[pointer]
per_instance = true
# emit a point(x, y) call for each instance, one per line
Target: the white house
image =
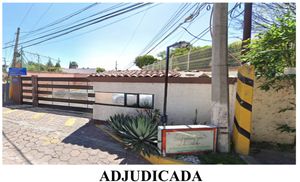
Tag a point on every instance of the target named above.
point(189, 94)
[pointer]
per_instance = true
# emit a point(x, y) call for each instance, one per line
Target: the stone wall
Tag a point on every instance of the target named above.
point(266, 116)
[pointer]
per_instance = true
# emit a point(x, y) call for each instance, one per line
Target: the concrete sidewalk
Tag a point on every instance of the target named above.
point(49, 136)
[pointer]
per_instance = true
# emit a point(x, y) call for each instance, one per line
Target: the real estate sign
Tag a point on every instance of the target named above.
point(182, 139)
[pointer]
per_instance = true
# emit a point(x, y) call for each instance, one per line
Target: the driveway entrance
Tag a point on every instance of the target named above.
point(49, 136)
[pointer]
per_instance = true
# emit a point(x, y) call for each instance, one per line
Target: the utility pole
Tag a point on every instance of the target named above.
point(116, 66)
point(22, 58)
point(15, 84)
point(247, 26)
point(16, 54)
point(219, 97)
point(4, 60)
point(39, 66)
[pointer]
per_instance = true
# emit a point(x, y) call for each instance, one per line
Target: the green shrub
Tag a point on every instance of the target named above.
point(139, 133)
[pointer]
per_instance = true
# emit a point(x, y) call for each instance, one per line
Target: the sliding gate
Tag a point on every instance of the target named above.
point(58, 92)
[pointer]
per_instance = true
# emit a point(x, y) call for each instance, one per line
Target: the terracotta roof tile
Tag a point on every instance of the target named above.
point(154, 73)
point(135, 73)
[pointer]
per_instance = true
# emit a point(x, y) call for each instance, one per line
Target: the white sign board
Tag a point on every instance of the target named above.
point(182, 139)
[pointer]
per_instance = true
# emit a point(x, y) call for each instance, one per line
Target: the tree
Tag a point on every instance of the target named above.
point(73, 65)
point(99, 70)
point(141, 61)
point(274, 50)
point(162, 55)
point(49, 63)
point(263, 15)
point(57, 65)
point(32, 66)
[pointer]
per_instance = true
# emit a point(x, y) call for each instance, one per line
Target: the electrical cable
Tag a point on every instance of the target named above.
point(190, 18)
point(72, 23)
point(108, 24)
point(85, 24)
point(132, 36)
point(26, 14)
point(65, 33)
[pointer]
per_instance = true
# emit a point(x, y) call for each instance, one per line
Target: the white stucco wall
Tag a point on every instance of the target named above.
point(183, 100)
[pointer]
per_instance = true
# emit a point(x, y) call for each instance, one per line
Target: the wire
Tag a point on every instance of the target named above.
point(27, 12)
point(56, 21)
point(190, 18)
point(170, 33)
point(85, 24)
point(108, 24)
point(41, 17)
point(133, 34)
point(196, 37)
point(164, 29)
point(72, 23)
point(65, 18)
point(65, 33)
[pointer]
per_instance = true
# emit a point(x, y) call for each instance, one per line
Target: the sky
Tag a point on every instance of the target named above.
point(121, 41)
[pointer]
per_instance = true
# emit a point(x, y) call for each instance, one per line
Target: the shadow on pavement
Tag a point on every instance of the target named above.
point(90, 136)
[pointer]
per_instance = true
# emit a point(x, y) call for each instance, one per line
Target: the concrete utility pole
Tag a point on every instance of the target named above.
point(116, 66)
point(16, 54)
point(220, 100)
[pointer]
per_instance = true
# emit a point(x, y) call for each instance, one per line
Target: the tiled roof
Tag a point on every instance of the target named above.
point(154, 73)
point(79, 70)
point(135, 73)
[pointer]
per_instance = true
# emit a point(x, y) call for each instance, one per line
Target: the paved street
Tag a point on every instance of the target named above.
point(48, 136)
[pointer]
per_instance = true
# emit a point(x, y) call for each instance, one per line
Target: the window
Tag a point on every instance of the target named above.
point(146, 100)
point(132, 100)
point(109, 98)
point(125, 99)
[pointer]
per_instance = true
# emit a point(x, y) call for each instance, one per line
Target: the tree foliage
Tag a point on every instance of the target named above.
point(57, 65)
point(73, 65)
point(274, 50)
point(33, 66)
point(49, 63)
point(141, 61)
point(99, 70)
point(263, 15)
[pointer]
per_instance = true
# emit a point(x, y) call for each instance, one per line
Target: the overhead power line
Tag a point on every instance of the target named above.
point(26, 14)
point(72, 23)
point(165, 28)
point(58, 21)
point(41, 17)
point(133, 34)
point(103, 26)
point(85, 24)
point(187, 19)
point(64, 18)
point(172, 22)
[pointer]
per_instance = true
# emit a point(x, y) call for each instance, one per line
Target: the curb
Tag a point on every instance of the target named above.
point(153, 159)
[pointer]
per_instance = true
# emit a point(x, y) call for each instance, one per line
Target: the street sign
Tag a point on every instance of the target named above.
point(17, 71)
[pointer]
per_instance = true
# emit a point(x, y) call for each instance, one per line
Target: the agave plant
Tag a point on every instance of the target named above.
point(139, 133)
point(117, 121)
